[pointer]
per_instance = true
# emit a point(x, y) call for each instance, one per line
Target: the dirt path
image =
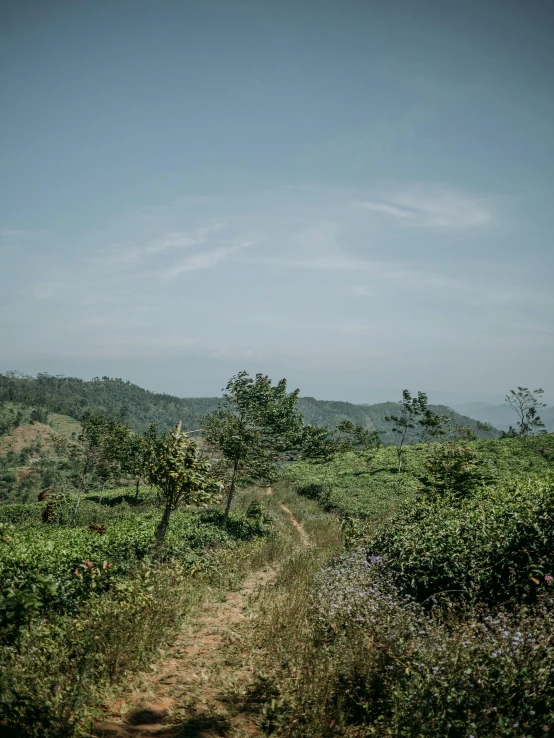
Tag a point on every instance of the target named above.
point(186, 694)
point(304, 538)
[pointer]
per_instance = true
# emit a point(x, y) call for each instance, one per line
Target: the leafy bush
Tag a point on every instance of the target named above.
point(41, 569)
point(368, 487)
point(455, 468)
point(59, 667)
point(493, 546)
point(21, 512)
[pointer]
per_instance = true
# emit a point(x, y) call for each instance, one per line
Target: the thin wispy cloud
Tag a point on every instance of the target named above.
point(206, 260)
point(180, 240)
point(432, 207)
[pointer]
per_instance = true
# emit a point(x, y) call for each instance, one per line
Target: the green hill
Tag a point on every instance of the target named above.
point(139, 407)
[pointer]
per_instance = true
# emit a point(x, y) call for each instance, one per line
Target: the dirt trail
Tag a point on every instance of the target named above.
point(304, 537)
point(185, 694)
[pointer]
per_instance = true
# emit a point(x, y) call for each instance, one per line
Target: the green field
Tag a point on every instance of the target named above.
point(368, 486)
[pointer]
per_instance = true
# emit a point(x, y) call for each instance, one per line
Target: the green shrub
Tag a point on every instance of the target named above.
point(39, 565)
point(21, 512)
point(58, 669)
point(370, 488)
point(455, 469)
point(493, 546)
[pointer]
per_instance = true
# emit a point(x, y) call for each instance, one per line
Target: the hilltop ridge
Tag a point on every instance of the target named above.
point(139, 407)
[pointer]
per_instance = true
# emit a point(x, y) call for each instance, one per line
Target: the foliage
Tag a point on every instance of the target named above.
point(60, 666)
point(117, 399)
point(367, 660)
point(492, 546)
point(255, 425)
point(526, 404)
point(320, 445)
point(37, 564)
point(102, 443)
point(125, 402)
point(137, 455)
point(455, 469)
point(370, 488)
point(180, 475)
point(414, 413)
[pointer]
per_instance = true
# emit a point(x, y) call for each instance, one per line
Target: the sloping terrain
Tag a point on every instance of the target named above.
point(139, 407)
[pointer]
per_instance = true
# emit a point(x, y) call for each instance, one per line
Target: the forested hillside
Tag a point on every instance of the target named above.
point(138, 407)
point(327, 412)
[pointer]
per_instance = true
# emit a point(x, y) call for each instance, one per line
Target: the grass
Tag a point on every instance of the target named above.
point(347, 650)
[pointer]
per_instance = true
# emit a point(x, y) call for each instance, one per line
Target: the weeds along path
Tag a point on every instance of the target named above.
point(191, 692)
point(304, 537)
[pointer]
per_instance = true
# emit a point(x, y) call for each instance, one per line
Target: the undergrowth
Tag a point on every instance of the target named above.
point(62, 655)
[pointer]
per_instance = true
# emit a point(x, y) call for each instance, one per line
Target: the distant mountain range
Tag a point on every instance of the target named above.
point(139, 407)
point(501, 416)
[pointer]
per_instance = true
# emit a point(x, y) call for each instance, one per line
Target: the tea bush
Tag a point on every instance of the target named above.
point(493, 546)
point(57, 670)
point(368, 486)
point(41, 569)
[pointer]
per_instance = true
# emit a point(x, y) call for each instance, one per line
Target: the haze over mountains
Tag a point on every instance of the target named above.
point(500, 416)
point(199, 375)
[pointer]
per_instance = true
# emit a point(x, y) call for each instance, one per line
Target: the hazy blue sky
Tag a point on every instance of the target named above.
point(356, 194)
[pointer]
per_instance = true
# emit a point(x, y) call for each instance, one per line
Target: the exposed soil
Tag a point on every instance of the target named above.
point(186, 694)
point(27, 435)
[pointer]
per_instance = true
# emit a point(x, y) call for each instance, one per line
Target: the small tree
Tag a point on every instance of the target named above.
point(110, 466)
point(526, 404)
point(352, 437)
point(254, 427)
point(485, 428)
point(180, 476)
point(433, 426)
point(138, 455)
point(100, 453)
point(411, 410)
point(318, 445)
point(88, 455)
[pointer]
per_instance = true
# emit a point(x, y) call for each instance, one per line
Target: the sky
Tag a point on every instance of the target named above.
point(356, 195)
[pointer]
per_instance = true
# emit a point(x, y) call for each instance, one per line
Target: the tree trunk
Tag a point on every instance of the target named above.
point(400, 448)
point(76, 510)
point(231, 493)
point(162, 527)
point(102, 493)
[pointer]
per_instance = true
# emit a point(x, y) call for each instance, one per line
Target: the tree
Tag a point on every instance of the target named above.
point(90, 438)
point(352, 437)
point(411, 410)
point(114, 443)
point(433, 426)
point(101, 443)
point(485, 428)
point(526, 403)
point(318, 445)
point(180, 475)
point(255, 425)
point(138, 455)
